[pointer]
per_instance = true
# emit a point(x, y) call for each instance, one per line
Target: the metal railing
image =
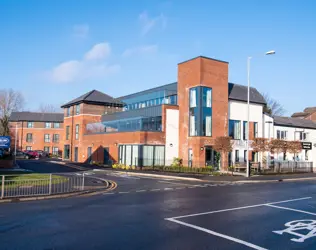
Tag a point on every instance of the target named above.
point(292, 166)
point(12, 187)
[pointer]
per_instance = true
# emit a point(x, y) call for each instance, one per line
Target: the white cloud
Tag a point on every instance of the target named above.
point(147, 49)
point(98, 51)
point(91, 66)
point(81, 30)
point(149, 23)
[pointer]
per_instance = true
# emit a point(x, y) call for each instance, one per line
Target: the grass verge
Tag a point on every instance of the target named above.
point(20, 180)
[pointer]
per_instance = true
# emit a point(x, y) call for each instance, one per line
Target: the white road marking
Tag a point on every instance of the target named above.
point(155, 190)
point(175, 183)
point(138, 191)
point(180, 188)
point(168, 188)
point(248, 244)
point(108, 193)
point(192, 187)
point(123, 192)
point(291, 209)
point(239, 208)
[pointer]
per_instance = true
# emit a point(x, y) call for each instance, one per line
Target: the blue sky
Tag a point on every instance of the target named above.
point(54, 51)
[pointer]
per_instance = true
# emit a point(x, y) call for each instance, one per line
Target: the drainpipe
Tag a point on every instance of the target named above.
point(72, 131)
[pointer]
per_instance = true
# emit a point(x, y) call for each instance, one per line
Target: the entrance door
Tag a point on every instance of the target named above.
point(89, 154)
point(66, 152)
point(211, 157)
point(190, 158)
point(106, 156)
point(76, 154)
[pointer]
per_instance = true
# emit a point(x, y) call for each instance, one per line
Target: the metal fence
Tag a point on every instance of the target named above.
point(47, 185)
point(291, 166)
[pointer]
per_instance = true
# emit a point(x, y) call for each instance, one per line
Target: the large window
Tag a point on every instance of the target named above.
point(30, 124)
point(29, 137)
point(300, 135)
point(68, 111)
point(48, 125)
point(142, 155)
point(47, 138)
point(67, 152)
point(56, 125)
point(77, 132)
point(236, 155)
point(126, 125)
point(234, 129)
point(67, 132)
point(200, 110)
point(46, 149)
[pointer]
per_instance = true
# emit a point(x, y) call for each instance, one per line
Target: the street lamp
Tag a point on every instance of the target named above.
point(271, 52)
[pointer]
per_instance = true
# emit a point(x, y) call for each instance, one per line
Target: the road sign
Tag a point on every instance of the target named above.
point(5, 141)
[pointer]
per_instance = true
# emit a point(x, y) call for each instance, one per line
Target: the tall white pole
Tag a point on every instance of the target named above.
point(16, 141)
point(248, 116)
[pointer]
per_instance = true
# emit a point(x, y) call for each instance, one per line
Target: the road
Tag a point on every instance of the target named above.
point(166, 214)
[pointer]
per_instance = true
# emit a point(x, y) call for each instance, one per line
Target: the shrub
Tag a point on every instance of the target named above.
point(176, 162)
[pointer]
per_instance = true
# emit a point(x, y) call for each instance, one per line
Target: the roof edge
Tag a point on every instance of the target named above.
point(204, 57)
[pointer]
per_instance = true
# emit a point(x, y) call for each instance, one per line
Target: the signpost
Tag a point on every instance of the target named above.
point(5, 142)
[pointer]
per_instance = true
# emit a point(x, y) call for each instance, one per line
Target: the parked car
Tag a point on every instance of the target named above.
point(42, 153)
point(1, 153)
point(29, 154)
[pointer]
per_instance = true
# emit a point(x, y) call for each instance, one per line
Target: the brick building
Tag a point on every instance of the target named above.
point(180, 119)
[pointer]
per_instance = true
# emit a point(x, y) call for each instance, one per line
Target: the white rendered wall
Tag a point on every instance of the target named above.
point(172, 135)
point(239, 111)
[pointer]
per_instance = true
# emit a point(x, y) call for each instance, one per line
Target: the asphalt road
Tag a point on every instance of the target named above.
point(43, 166)
point(174, 215)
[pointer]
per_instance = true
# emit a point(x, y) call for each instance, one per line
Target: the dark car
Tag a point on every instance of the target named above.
point(42, 153)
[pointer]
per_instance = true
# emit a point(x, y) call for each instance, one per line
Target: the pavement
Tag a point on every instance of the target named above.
point(169, 214)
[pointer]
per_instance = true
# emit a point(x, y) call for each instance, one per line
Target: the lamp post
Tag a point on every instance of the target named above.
point(271, 52)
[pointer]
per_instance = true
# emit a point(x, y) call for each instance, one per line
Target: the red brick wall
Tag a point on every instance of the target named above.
point(202, 72)
point(38, 133)
point(98, 141)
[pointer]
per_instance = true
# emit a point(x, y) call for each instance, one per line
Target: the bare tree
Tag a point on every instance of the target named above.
point(260, 145)
point(294, 147)
point(276, 146)
point(223, 145)
point(49, 108)
point(10, 101)
point(273, 107)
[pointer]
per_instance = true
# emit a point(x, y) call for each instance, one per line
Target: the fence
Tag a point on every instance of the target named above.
point(13, 187)
point(291, 166)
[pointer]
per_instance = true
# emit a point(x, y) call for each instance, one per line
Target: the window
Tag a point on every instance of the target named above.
point(29, 137)
point(244, 133)
point(77, 132)
point(55, 151)
point(28, 148)
point(301, 135)
point(245, 155)
point(30, 124)
point(254, 156)
point(236, 155)
point(46, 149)
point(77, 109)
point(47, 138)
point(200, 110)
point(255, 129)
point(67, 132)
point(282, 135)
point(56, 125)
point(55, 137)
point(48, 125)
point(68, 111)
point(234, 129)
